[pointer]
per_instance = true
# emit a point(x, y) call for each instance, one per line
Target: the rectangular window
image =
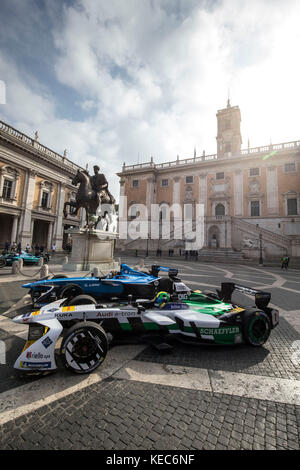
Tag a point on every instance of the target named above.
point(44, 202)
point(254, 171)
point(165, 183)
point(189, 180)
point(7, 189)
point(290, 167)
point(292, 207)
point(135, 183)
point(254, 208)
point(220, 176)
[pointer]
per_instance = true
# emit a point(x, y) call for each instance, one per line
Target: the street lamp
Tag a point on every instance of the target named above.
point(261, 261)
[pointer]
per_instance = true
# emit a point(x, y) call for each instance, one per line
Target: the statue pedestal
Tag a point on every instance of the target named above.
point(91, 249)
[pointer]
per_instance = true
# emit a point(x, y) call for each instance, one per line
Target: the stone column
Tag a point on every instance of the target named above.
point(58, 229)
point(26, 235)
point(49, 238)
point(150, 194)
point(203, 200)
point(272, 191)
point(14, 230)
point(150, 199)
point(178, 217)
point(238, 193)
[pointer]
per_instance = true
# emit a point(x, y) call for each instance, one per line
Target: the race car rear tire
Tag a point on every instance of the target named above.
point(81, 300)
point(256, 327)
point(84, 347)
point(70, 291)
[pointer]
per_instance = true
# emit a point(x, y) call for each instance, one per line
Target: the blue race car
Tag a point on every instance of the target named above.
point(115, 285)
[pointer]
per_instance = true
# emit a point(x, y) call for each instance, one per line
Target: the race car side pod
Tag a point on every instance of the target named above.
point(262, 299)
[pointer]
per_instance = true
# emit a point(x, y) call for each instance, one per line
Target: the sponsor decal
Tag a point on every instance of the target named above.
point(34, 355)
point(219, 331)
point(47, 342)
point(68, 309)
point(105, 314)
point(35, 313)
point(131, 313)
point(64, 315)
point(33, 365)
point(175, 306)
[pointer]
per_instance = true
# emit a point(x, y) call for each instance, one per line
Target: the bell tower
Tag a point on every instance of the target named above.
point(229, 137)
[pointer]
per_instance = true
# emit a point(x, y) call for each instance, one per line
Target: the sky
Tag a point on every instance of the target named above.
point(116, 81)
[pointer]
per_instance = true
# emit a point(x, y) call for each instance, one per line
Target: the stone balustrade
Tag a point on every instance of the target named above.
point(44, 151)
point(204, 158)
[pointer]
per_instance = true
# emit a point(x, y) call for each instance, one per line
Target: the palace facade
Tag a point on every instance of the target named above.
point(251, 196)
point(35, 182)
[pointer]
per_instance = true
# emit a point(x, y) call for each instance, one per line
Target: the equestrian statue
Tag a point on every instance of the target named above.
point(93, 195)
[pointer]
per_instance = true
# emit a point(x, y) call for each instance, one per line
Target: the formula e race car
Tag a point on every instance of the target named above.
point(114, 285)
point(28, 258)
point(191, 317)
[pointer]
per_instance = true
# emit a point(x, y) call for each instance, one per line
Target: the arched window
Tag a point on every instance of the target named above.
point(220, 209)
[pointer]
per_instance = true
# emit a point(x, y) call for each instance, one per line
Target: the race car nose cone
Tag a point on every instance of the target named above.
point(18, 319)
point(27, 286)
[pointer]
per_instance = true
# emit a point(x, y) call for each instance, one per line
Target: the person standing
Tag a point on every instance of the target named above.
point(53, 249)
point(27, 248)
point(6, 246)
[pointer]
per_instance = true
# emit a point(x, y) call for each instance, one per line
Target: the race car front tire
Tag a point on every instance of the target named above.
point(81, 300)
point(70, 291)
point(84, 347)
point(256, 327)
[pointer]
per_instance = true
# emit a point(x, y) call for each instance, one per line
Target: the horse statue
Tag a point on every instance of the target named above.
point(90, 199)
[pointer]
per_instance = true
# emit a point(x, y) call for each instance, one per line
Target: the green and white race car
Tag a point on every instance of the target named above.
point(187, 316)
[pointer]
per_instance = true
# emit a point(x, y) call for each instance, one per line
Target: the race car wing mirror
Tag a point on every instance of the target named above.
point(140, 309)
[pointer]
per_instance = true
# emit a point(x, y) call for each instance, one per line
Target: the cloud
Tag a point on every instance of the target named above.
point(149, 76)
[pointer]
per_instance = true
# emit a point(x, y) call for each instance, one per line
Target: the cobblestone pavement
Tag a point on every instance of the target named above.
point(272, 360)
point(118, 414)
point(114, 413)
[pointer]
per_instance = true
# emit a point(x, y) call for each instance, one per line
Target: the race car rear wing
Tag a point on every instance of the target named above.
point(155, 269)
point(227, 288)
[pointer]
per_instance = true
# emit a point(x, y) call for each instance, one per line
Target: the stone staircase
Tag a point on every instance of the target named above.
point(267, 235)
point(222, 255)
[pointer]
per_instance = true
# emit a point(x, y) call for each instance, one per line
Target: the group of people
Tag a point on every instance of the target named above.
point(17, 248)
